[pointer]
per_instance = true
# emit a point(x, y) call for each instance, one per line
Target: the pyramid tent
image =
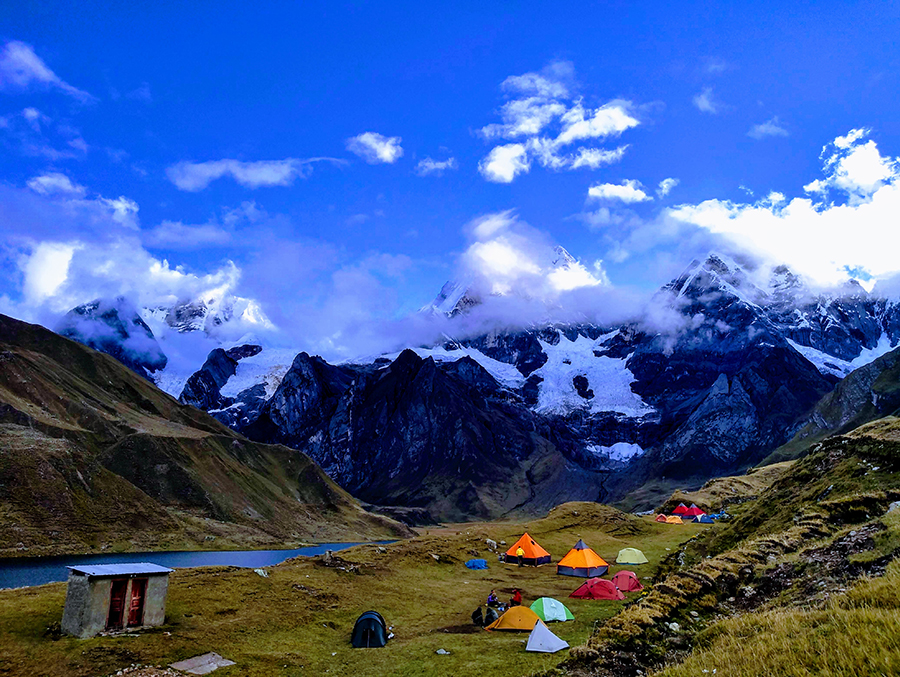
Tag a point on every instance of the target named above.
point(516, 618)
point(631, 556)
point(680, 510)
point(541, 639)
point(582, 561)
point(660, 518)
point(693, 511)
point(550, 609)
point(674, 519)
point(534, 554)
point(597, 588)
point(627, 581)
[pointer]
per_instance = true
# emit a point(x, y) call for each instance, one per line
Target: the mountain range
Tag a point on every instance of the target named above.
point(722, 370)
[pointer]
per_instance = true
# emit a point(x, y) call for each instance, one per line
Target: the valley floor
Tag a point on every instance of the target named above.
point(298, 620)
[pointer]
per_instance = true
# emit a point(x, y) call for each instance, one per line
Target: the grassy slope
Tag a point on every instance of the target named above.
point(764, 593)
point(93, 457)
point(719, 493)
point(293, 621)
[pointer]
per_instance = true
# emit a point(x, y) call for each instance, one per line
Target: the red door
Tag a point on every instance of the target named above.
point(136, 610)
point(116, 603)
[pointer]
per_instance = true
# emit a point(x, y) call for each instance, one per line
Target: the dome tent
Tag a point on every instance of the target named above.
point(627, 581)
point(550, 609)
point(631, 556)
point(597, 588)
point(582, 561)
point(370, 631)
point(516, 618)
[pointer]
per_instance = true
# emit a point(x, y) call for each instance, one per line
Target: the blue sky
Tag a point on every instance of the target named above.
point(335, 161)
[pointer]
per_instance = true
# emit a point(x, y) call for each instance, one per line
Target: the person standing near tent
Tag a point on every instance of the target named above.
point(520, 553)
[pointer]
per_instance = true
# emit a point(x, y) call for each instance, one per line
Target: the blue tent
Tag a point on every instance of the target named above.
point(477, 564)
point(705, 519)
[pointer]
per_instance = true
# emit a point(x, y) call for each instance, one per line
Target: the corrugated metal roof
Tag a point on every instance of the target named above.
point(129, 569)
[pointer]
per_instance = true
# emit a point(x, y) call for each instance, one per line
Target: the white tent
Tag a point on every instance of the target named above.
point(541, 639)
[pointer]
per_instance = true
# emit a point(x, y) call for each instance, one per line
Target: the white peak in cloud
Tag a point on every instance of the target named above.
point(627, 191)
point(195, 176)
point(666, 186)
point(544, 121)
point(706, 102)
point(375, 148)
point(504, 163)
point(824, 240)
point(773, 127)
point(56, 183)
point(429, 167)
point(21, 68)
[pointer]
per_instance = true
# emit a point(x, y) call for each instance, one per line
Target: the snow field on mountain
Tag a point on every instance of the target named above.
point(268, 367)
point(620, 451)
point(505, 374)
point(608, 377)
point(828, 364)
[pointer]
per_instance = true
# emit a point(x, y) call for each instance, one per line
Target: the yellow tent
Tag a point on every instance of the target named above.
point(516, 618)
point(673, 519)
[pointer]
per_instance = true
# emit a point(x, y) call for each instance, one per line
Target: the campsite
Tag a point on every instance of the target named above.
point(298, 620)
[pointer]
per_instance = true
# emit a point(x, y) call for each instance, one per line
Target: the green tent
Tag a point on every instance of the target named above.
point(550, 609)
point(631, 556)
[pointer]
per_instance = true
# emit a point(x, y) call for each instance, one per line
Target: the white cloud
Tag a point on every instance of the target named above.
point(506, 255)
point(821, 240)
point(627, 191)
point(540, 117)
point(706, 102)
point(375, 148)
point(21, 68)
point(55, 183)
point(195, 176)
point(429, 167)
point(45, 270)
point(504, 163)
point(666, 186)
point(178, 235)
point(773, 127)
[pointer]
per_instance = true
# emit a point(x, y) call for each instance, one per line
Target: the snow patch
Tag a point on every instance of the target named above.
point(608, 377)
point(267, 367)
point(505, 374)
point(828, 364)
point(620, 451)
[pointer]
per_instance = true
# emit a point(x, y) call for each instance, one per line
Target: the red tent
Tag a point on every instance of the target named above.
point(680, 510)
point(627, 581)
point(693, 512)
point(597, 588)
point(660, 518)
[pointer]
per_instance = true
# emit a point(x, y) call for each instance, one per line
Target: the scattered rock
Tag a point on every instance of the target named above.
point(442, 652)
point(262, 572)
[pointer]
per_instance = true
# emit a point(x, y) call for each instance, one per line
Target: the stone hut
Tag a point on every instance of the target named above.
point(114, 596)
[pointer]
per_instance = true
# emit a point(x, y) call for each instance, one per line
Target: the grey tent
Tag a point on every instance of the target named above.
point(370, 631)
point(544, 641)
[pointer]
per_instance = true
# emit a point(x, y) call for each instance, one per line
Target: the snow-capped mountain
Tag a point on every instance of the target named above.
point(721, 378)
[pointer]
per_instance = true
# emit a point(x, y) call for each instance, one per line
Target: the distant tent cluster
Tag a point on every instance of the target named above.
point(683, 514)
point(371, 630)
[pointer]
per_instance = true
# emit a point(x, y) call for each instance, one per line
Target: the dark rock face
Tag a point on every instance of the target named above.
point(115, 328)
point(416, 434)
point(202, 389)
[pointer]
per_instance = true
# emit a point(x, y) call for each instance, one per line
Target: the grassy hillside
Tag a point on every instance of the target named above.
point(93, 457)
point(803, 580)
point(298, 620)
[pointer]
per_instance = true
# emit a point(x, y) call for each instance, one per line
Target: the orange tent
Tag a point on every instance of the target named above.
point(582, 561)
point(673, 519)
point(660, 518)
point(534, 555)
point(515, 618)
